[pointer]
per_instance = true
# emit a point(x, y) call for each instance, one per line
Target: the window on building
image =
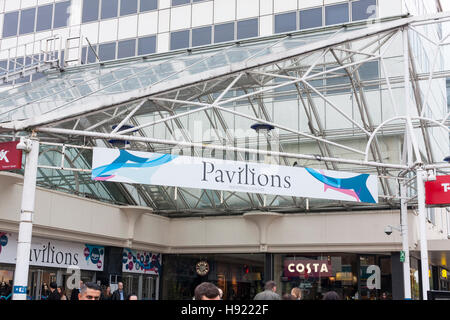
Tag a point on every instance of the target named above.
point(336, 14)
point(337, 79)
point(146, 45)
point(128, 7)
point(107, 51)
point(285, 22)
point(179, 40)
point(311, 18)
point(247, 28)
point(201, 36)
point(148, 5)
point(88, 54)
point(90, 10)
point(27, 19)
point(364, 9)
point(369, 71)
point(109, 9)
point(180, 2)
point(10, 24)
point(223, 32)
point(62, 14)
point(44, 18)
point(126, 48)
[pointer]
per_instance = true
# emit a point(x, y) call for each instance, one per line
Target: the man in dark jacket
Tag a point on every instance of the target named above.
point(269, 292)
point(75, 292)
point(54, 295)
point(119, 294)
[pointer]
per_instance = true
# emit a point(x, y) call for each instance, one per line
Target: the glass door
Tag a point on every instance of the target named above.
point(149, 288)
point(35, 284)
point(131, 284)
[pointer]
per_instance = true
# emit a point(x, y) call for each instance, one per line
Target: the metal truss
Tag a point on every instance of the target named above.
point(346, 74)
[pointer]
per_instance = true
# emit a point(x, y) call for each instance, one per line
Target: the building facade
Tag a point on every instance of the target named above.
point(163, 241)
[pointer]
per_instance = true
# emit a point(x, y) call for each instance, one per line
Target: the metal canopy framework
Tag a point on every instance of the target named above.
point(335, 96)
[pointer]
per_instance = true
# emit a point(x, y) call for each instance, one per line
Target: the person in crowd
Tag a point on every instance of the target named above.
point(331, 295)
point(288, 296)
point(54, 295)
point(119, 294)
point(62, 293)
point(45, 291)
point(297, 293)
point(269, 292)
point(75, 292)
point(206, 291)
point(107, 295)
point(90, 291)
point(132, 297)
point(4, 289)
point(220, 293)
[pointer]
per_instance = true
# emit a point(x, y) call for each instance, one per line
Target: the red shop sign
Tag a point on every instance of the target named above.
point(10, 157)
point(438, 191)
point(307, 268)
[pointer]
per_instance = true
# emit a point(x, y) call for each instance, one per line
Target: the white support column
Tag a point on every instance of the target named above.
point(405, 243)
point(26, 221)
point(423, 232)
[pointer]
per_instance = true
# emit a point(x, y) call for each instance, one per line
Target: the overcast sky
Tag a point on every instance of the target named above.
point(445, 5)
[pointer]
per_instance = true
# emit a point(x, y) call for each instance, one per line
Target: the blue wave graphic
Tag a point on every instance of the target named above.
point(358, 184)
point(127, 160)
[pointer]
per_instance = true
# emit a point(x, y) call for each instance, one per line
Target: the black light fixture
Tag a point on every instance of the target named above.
point(447, 159)
point(121, 144)
point(261, 126)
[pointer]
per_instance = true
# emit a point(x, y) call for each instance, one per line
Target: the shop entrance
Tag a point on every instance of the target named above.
point(144, 286)
point(39, 283)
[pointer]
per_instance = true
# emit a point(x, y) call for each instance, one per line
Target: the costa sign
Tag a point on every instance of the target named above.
point(10, 157)
point(438, 192)
point(307, 268)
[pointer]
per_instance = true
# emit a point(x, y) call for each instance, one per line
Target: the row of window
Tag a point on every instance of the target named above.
point(222, 33)
point(181, 2)
point(119, 49)
point(40, 18)
point(94, 10)
point(333, 14)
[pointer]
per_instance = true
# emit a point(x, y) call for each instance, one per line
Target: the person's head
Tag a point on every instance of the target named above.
point(132, 297)
point(384, 295)
point(53, 286)
point(297, 293)
point(206, 291)
point(81, 283)
point(331, 295)
point(120, 286)
point(89, 291)
point(220, 292)
point(108, 290)
point(288, 296)
point(271, 285)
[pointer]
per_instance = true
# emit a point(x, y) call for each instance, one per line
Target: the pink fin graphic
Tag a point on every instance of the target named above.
point(350, 193)
point(104, 178)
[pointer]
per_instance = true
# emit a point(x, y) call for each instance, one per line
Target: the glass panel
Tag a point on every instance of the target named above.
point(201, 36)
point(337, 78)
point(128, 7)
point(285, 22)
point(27, 18)
point(247, 29)
point(107, 51)
point(126, 48)
point(311, 18)
point(147, 5)
point(44, 18)
point(224, 32)
point(146, 45)
point(179, 2)
point(336, 14)
point(109, 8)
point(62, 14)
point(364, 9)
point(179, 40)
point(10, 24)
point(90, 10)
